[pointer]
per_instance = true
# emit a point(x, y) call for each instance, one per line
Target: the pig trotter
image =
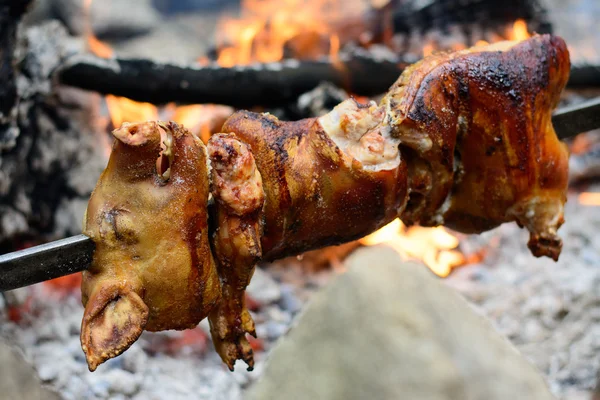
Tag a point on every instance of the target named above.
point(237, 189)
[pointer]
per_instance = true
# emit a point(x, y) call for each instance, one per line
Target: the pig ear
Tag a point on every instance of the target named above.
point(113, 320)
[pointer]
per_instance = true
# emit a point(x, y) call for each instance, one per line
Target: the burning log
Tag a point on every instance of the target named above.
point(469, 144)
point(241, 86)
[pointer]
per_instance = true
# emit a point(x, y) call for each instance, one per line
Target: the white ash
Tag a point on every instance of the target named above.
point(550, 311)
point(49, 337)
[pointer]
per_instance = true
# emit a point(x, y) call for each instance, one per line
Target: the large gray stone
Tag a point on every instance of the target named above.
point(390, 330)
point(18, 380)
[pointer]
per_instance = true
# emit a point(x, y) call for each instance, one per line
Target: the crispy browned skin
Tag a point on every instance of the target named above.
point(238, 192)
point(462, 139)
point(316, 195)
point(493, 155)
point(153, 268)
point(477, 149)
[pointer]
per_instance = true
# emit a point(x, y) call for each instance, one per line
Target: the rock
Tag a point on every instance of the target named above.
point(388, 330)
point(18, 379)
point(168, 42)
point(109, 18)
point(263, 288)
point(113, 18)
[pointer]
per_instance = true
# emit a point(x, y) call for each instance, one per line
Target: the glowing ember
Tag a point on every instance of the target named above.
point(589, 199)
point(434, 246)
point(65, 284)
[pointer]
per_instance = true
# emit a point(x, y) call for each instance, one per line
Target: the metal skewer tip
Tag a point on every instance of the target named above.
point(45, 262)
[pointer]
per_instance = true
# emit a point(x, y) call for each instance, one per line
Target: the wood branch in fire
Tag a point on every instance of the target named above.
point(270, 84)
point(241, 86)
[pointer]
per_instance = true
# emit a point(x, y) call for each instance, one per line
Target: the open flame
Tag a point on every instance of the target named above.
point(122, 109)
point(519, 31)
point(268, 29)
point(436, 247)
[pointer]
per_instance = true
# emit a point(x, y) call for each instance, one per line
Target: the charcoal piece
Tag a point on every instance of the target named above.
point(320, 100)
point(423, 16)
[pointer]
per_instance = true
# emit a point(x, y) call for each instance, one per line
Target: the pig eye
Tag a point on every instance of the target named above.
point(165, 159)
point(118, 227)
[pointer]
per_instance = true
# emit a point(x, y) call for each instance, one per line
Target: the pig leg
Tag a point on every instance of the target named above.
point(237, 190)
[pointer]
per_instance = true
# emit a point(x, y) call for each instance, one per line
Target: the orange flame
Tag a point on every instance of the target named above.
point(428, 49)
point(434, 246)
point(519, 31)
point(267, 28)
point(589, 199)
point(99, 48)
point(122, 109)
point(95, 46)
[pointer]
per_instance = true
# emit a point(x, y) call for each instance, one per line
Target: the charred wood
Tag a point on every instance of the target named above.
point(244, 86)
point(584, 75)
point(271, 84)
point(422, 16)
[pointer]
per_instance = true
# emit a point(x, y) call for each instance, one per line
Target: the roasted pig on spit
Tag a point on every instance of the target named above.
point(462, 139)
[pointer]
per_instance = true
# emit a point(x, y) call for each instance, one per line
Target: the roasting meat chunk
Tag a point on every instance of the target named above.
point(480, 122)
point(463, 139)
point(473, 128)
